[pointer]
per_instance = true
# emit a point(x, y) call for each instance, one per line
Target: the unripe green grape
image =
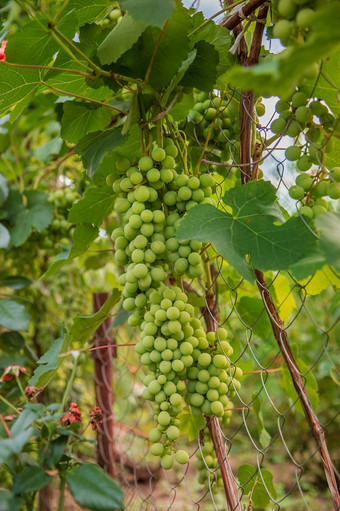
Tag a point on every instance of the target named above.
point(167, 462)
point(177, 366)
point(158, 154)
point(320, 190)
point(296, 192)
point(140, 271)
point(135, 221)
point(318, 210)
point(305, 181)
point(158, 216)
point(306, 211)
point(303, 114)
point(137, 207)
point(217, 408)
point(214, 382)
point(121, 257)
point(146, 215)
point(299, 99)
point(333, 190)
point(147, 229)
point(121, 205)
point(170, 198)
point(197, 399)
point(182, 457)
point(305, 18)
point(293, 129)
point(176, 399)
point(172, 433)
point(153, 175)
point(181, 265)
point(145, 163)
point(171, 150)
point(170, 387)
point(281, 106)
point(283, 30)
point(157, 449)
point(136, 178)
point(278, 126)
point(318, 108)
point(122, 164)
point(121, 242)
point(204, 360)
point(154, 387)
point(166, 175)
point(287, 8)
point(142, 194)
point(155, 435)
point(184, 251)
point(220, 361)
point(293, 153)
point(304, 163)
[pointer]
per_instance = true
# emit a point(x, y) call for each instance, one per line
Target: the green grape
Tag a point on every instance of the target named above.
point(122, 164)
point(334, 190)
point(287, 8)
point(158, 154)
point(182, 457)
point(278, 126)
point(293, 129)
point(167, 462)
point(296, 192)
point(303, 114)
point(305, 18)
point(305, 181)
point(142, 193)
point(304, 163)
point(157, 449)
point(283, 30)
point(299, 99)
point(306, 211)
point(293, 153)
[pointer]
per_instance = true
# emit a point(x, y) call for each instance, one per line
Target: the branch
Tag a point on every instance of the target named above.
point(48, 68)
point(51, 168)
point(232, 21)
point(281, 337)
point(83, 98)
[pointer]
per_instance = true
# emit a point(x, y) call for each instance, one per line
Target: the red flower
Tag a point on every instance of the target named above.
point(11, 371)
point(96, 415)
point(30, 391)
point(72, 415)
point(2, 51)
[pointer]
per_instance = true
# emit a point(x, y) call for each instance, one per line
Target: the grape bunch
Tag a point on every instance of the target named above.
point(213, 380)
point(225, 128)
point(295, 21)
point(60, 230)
point(152, 197)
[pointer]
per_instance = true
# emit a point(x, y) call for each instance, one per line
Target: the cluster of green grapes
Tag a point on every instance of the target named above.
point(213, 380)
point(151, 199)
point(226, 126)
point(59, 232)
point(207, 458)
point(114, 17)
point(301, 115)
point(296, 21)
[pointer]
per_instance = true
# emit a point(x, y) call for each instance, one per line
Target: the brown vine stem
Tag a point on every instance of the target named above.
point(232, 21)
point(52, 168)
point(277, 324)
point(83, 98)
point(314, 424)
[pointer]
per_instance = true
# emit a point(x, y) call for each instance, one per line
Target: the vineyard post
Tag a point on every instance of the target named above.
point(103, 374)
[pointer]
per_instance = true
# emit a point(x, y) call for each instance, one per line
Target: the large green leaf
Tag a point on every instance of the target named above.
point(17, 87)
point(34, 44)
point(88, 11)
point(253, 227)
point(5, 237)
point(84, 235)
point(264, 436)
point(94, 207)
point(82, 330)
point(84, 327)
point(254, 315)
point(190, 424)
point(11, 341)
point(29, 480)
point(149, 12)
point(329, 225)
point(202, 73)
point(93, 489)
point(94, 146)
point(119, 40)
point(82, 118)
point(279, 75)
point(261, 485)
point(13, 315)
point(3, 189)
point(37, 213)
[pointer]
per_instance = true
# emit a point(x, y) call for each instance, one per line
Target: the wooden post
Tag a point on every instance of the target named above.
point(103, 375)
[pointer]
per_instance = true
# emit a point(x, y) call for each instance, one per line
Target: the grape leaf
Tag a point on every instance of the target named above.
point(202, 73)
point(119, 40)
point(254, 315)
point(329, 225)
point(264, 436)
point(149, 12)
point(261, 484)
point(94, 146)
point(37, 213)
point(254, 228)
point(191, 424)
point(13, 315)
point(285, 301)
point(17, 87)
point(34, 45)
point(3, 189)
point(81, 118)
point(30, 479)
point(49, 363)
point(5, 237)
point(84, 235)
point(94, 207)
point(88, 11)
